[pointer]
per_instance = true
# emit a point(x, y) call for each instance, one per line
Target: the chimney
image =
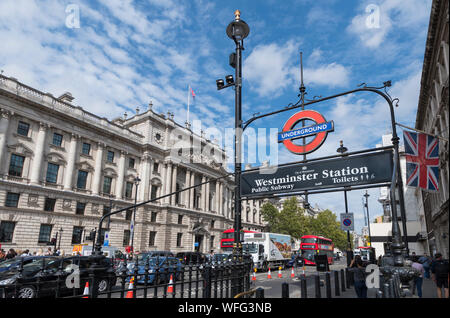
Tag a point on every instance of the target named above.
point(66, 97)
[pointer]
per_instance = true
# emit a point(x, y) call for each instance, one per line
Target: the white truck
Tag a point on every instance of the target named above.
point(268, 250)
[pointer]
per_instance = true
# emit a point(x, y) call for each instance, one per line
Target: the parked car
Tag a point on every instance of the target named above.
point(43, 272)
point(14, 263)
point(159, 270)
point(193, 258)
point(142, 258)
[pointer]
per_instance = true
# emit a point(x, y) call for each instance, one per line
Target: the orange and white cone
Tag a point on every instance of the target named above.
point(279, 272)
point(86, 290)
point(303, 271)
point(131, 286)
point(254, 276)
point(170, 287)
point(292, 272)
point(269, 275)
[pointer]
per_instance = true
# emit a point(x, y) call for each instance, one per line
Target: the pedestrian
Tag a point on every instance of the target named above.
point(359, 272)
point(426, 263)
point(49, 252)
point(418, 280)
point(40, 252)
point(440, 274)
point(2, 255)
point(11, 254)
point(26, 253)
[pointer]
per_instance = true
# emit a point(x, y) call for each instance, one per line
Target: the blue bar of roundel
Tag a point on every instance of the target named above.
point(305, 131)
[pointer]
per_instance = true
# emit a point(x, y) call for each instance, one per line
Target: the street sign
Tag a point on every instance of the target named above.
point(106, 239)
point(321, 174)
point(347, 222)
point(319, 130)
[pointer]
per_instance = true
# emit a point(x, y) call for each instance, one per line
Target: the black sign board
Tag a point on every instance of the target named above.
point(364, 169)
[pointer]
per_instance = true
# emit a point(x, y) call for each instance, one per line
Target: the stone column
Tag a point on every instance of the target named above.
point(187, 184)
point(216, 198)
point(98, 169)
point(38, 154)
point(120, 175)
point(174, 184)
point(191, 192)
point(208, 207)
point(4, 124)
point(145, 179)
point(168, 182)
point(202, 204)
point(68, 175)
point(220, 199)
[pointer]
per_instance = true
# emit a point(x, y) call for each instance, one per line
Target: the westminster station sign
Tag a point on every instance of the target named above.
point(334, 173)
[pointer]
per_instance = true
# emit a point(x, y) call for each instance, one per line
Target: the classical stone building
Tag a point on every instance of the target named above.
point(432, 117)
point(62, 168)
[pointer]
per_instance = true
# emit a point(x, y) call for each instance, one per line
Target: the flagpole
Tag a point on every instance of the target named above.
point(421, 131)
point(189, 91)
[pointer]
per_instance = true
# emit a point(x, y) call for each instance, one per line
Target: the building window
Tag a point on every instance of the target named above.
point(131, 162)
point(154, 192)
point(106, 209)
point(155, 167)
point(177, 195)
point(152, 238)
point(77, 234)
point(44, 233)
point(179, 239)
point(23, 128)
point(49, 204)
point(52, 173)
point(129, 190)
point(16, 165)
point(153, 217)
point(12, 199)
point(80, 208)
point(110, 156)
point(211, 246)
point(126, 237)
point(107, 185)
point(128, 214)
point(212, 223)
point(86, 149)
point(57, 139)
point(82, 179)
point(180, 219)
point(6, 231)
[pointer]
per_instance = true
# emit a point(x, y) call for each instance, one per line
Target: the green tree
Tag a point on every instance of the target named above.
point(326, 225)
point(269, 214)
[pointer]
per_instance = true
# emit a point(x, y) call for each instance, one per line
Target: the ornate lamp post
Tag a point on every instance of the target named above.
point(366, 205)
point(237, 30)
point(60, 234)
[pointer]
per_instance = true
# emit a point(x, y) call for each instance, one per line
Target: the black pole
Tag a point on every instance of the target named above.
point(368, 216)
point(134, 219)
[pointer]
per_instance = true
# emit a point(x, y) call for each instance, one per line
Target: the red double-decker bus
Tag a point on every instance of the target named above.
point(226, 243)
point(316, 245)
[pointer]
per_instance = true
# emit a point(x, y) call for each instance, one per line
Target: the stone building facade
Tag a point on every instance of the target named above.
point(433, 118)
point(62, 168)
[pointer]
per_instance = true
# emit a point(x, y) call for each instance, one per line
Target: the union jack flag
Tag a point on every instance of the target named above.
point(422, 161)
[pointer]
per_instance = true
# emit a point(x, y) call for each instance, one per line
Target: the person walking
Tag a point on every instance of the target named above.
point(440, 274)
point(49, 252)
point(359, 272)
point(426, 262)
point(2, 255)
point(11, 254)
point(418, 280)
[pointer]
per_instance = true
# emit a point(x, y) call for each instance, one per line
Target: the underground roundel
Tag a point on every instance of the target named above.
point(319, 130)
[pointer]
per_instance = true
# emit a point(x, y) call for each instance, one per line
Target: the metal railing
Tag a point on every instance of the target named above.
point(93, 277)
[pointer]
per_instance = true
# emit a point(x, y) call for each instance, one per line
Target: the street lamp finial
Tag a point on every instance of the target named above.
point(237, 14)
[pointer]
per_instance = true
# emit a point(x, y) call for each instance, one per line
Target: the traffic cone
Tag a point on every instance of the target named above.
point(131, 286)
point(86, 290)
point(269, 275)
point(292, 272)
point(170, 287)
point(254, 276)
point(303, 271)
point(279, 272)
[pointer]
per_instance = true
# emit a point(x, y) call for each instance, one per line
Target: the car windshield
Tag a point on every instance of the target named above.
point(153, 260)
point(250, 248)
point(308, 254)
point(9, 262)
point(309, 240)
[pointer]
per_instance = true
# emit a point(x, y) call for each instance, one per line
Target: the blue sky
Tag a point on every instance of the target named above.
point(122, 54)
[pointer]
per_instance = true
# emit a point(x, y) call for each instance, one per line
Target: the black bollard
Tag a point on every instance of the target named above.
point(317, 284)
point(347, 278)
point(328, 284)
point(303, 287)
point(342, 280)
point(260, 293)
point(336, 284)
point(285, 290)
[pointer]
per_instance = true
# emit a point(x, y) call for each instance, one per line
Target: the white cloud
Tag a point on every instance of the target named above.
point(332, 75)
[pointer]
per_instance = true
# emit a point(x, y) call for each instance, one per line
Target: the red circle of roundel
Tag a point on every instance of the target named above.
point(318, 139)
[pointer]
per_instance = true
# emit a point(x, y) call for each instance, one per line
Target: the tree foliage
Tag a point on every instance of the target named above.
point(293, 221)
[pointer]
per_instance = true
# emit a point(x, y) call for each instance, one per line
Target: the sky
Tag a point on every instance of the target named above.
point(116, 55)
